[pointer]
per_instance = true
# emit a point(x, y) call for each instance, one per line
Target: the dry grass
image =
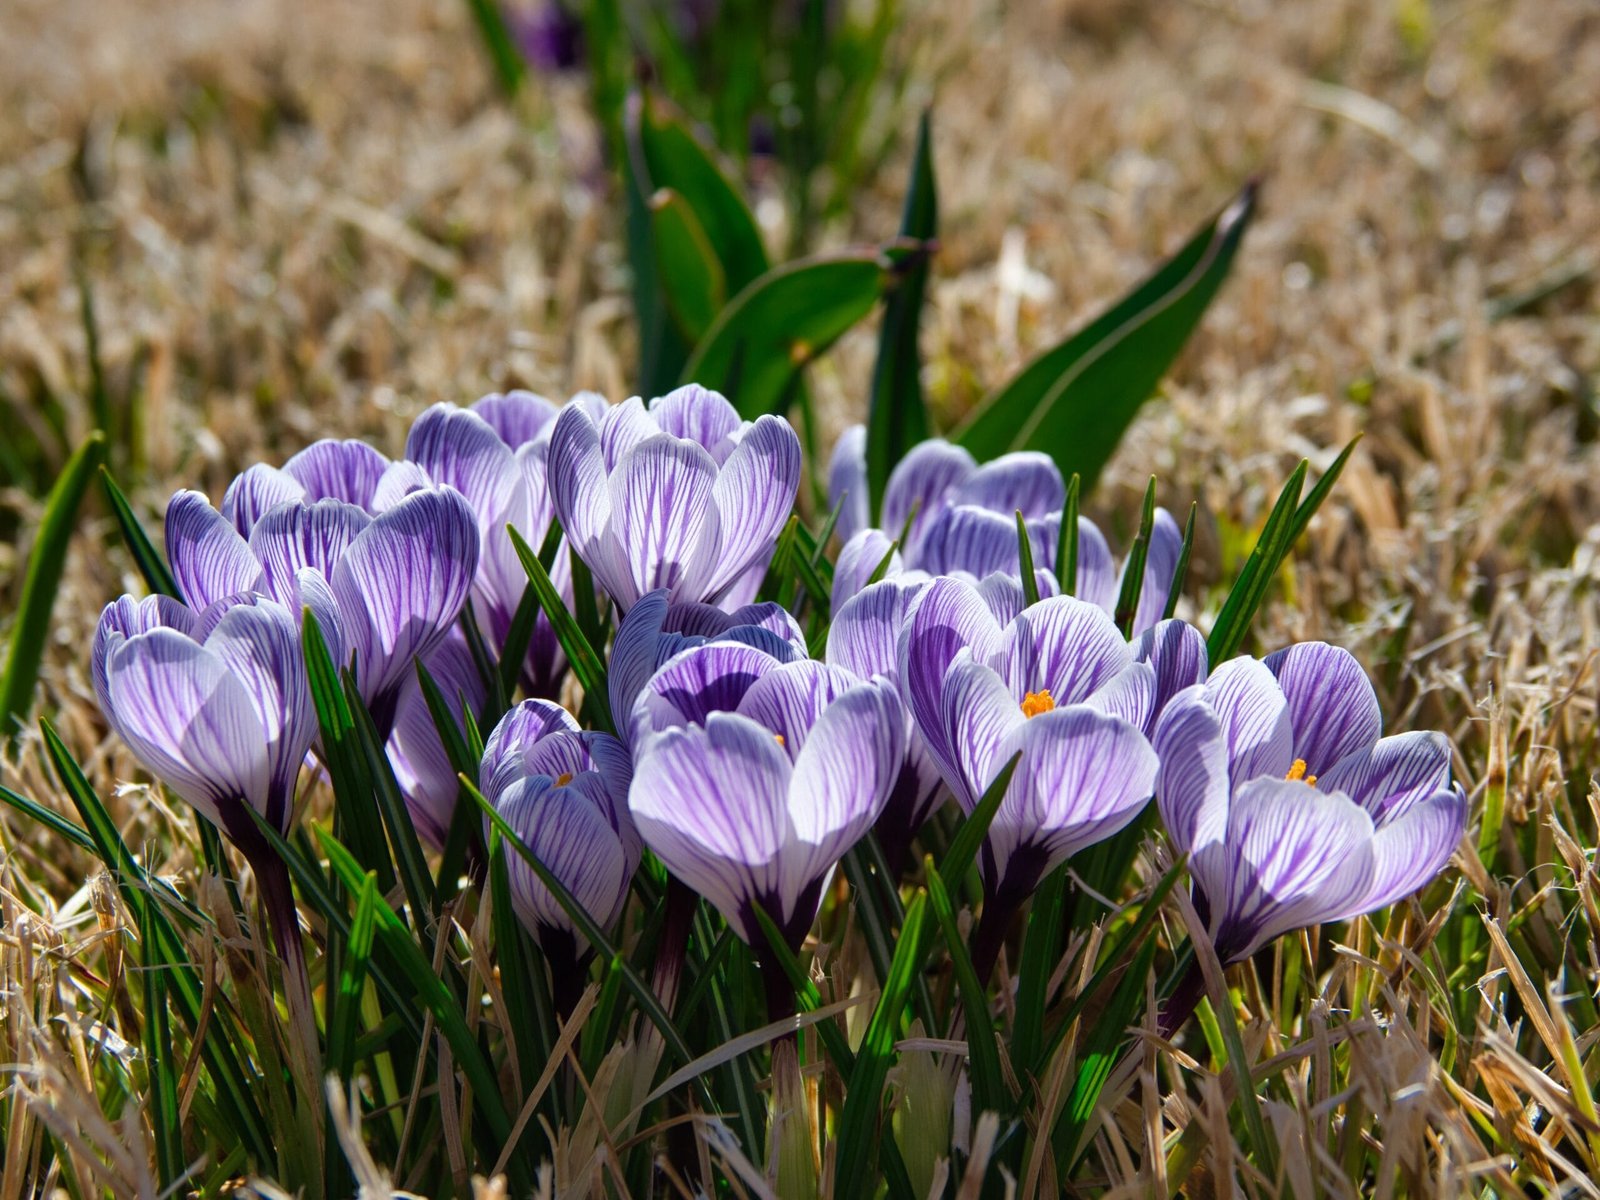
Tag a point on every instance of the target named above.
point(309, 218)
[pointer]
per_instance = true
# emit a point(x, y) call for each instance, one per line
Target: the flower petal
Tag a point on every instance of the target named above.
point(403, 582)
point(622, 427)
point(1028, 480)
point(790, 699)
point(772, 617)
point(1176, 651)
point(460, 449)
point(335, 470)
point(577, 476)
point(700, 415)
point(754, 492)
point(518, 417)
point(1129, 694)
point(1161, 560)
point(1097, 571)
point(973, 540)
point(847, 484)
point(293, 537)
point(712, 804)
point(421, 766)
point(258, 642)
point(254, 492)
point(919, 485)
point(124, 618)
point(1192, 783)
point(858, 558)
point(664, 518)
point(1332, 707)
point(1293, 856)
point(1064, 645)
point(696, 682)
point(842, 780)
point(1255, 719)
point(977, 714)
point(1394, 773)
point(209, 558)
point(186, 718)
point(567, 829)
point(517, 733)
point(865, 630)
point(1083, 776)
point(946, 617)
point(1412, 848)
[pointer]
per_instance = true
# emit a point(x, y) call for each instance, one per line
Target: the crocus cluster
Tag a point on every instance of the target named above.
point(748, 750)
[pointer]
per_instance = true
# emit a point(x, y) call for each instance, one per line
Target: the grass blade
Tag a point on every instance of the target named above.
point(988, 1087)
point(1030, 581)
point(586, 664)
point(1067, 547)
point(157, 577)
point(969, 837)
point(48, 558)
point(1133, 570)
point(501, 47)
point(1250, 589)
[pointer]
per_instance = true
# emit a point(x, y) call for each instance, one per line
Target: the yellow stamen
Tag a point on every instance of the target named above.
point(1038, 702)
point(564, 778)
point(778, 737)
point(1297, 772)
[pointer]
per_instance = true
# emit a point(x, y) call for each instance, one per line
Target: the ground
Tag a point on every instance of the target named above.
point(307, 219)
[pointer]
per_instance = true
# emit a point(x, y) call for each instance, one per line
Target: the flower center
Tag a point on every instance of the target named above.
point(1297, 772)
point(1038, 702)
point(778, 737)
point(563, 779)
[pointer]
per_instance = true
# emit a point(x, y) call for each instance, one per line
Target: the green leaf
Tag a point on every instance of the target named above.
point(160, 1063)
point(31, 633)
point(988, 1085)
point(1041, 946)
point(151, 565)
point(499, 44)
point(586, 664)
point(51, 820)
point(530, 1017)
point(969, 837)
point(663, 153)
point(863, 1102)
point(1180, 569)
point(781, 322)
point(1067, 547)
point(1133, 571)
point(1076, 399)
point(1030, 581)
point(344, 1025)
point(897, 418)
point(692, 281)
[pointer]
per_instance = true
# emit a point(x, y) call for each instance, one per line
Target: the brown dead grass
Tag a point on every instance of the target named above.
point(304, 218)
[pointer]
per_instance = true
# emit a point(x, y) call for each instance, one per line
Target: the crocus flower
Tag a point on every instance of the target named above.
point(655, 631)
point(1291, 807)
point(214, 703)
point(494, 453)
point(757, 806)
point(863, 639)
point(385, 589)
point(327, 470)
point(421, 765)
point(681, 495)
point(1058, 684)
point(564, 792)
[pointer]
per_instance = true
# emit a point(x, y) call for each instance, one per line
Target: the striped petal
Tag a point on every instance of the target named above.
point(505, 753)
point(918, 488)
point(1410, 849)
point(754, 492)
point(847, 484)
point(460, 449)
point(1332, 707)
point(1161, 561)
point(977, 716)
point(1062, 645)
point(423, 769)
point(257, 490)
point(1176, 652)
point(518, 417)
point(979, 542)
point(790, 699)
point(338, 470)
point(698, 415)
point(1293, 857)
point(1255, 719)
point(295, 537)
point(1097, 571)
point(1392, 774)
point(577, 475)
point(711, 803)
point(696, 682)
point(664, 519)
point(568, 830)
point(209, 559)
point(622, 427)
point(859, 558)
point(127, 617)
point(1192, 783)
point(947, 617)
point(865, 630)
point(1025, 480)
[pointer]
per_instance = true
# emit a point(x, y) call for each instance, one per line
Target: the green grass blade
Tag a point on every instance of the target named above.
point(1030, 581)
point(897, 417)
point(1076, 399)
point(1180, 570)
point(1067, 547)
point(859, 1121)
point(969, 837)
point(1250, 589)
point(498, 43)
point(530, 1024)
point(344, 1025)
point(586, 664)
point(51, 820)
point(1041, 946)
point(161, 1103)
point(157, 577)
point(518, 638)
point(1133, 571)
point(988, 1086)
point(692, 280)
point(48, 558)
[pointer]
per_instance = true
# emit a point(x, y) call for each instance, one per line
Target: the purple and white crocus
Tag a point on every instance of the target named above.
point(757, 777)
point(563, 791)
point(1058, 686)
point(1291, 807)
point(384, 589)
point(681, 495)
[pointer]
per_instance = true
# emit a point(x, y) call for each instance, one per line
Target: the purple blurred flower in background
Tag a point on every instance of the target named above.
point(681, 495)
point(1293, 810)
point(564, 793)
point(1058, 685)
point(214, 703)
point(757, 806)
point(549, 35)
point(385, 589)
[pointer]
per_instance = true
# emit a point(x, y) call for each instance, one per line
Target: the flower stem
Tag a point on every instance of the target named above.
point(1180, 1006)
point(990, 936)
point(277, 902)
point(674, 943)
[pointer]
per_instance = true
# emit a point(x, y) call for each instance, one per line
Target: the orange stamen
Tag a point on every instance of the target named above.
point(1297, 773)
point(564, 778)
point(1038, 702)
